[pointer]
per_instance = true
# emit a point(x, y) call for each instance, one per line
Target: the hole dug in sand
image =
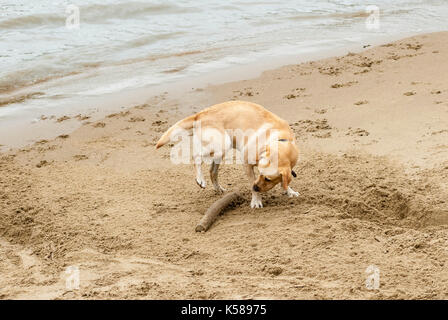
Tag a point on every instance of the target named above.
point(370, 188)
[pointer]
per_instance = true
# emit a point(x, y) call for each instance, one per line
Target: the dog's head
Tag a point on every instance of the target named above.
point(276, 167)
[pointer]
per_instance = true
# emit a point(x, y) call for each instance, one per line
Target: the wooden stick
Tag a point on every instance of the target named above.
point(215, 209)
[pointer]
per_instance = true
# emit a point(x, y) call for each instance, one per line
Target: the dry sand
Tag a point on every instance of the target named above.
point(372, 130)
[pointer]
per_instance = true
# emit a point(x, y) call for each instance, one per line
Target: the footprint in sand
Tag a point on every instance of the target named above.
point(42, 163)
point(119, 115)
point(357, 132)
point(81, 117)
point(136, 119)
point(341, 85)
point(80, 157)
point(64, 118)
point(99, 125)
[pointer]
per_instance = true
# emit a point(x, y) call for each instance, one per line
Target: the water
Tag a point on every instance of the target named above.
point(131, 44)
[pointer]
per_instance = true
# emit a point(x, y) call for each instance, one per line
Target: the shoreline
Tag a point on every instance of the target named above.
point(26, 126)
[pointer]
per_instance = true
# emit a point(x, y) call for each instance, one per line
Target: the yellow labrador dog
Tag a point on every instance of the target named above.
point(262, 139)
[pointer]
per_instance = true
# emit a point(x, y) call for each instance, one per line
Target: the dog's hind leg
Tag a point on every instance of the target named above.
point(200, 180)
point(256, 201)
point(214, 177)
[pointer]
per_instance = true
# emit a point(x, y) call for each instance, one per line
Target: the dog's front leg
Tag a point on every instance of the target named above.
point(291, 193)
point(256, 200)
point(256, 196)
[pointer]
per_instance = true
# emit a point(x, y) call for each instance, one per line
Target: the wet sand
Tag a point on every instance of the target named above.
point(372, 131)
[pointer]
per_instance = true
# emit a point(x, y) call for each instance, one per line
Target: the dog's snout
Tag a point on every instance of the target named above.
point(256, 188)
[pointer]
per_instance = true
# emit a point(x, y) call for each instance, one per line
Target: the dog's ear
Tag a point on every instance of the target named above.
point(294, 174)
point(286, 178)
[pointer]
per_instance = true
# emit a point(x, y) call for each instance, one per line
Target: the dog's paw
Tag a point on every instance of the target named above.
point(291, 193)
point(256, 203)
point(219, 189)
point(201, 183)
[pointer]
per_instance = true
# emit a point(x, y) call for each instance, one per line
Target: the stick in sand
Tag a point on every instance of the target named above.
point(215, 209)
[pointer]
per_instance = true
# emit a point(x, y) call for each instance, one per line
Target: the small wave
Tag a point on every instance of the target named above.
point(345, 15)
point(26, 78)
point(22, 79)
point(131, 10)
point(149, 39)
point(19, 98)
point(155, 57)
point(175, 70)
point(32, 21)
point(97, 14)
point(341, 15)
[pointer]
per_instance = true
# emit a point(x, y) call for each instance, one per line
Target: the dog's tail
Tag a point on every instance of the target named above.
point(185, 124)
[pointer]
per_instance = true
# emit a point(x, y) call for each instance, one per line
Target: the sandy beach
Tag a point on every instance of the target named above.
point(372, 174)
